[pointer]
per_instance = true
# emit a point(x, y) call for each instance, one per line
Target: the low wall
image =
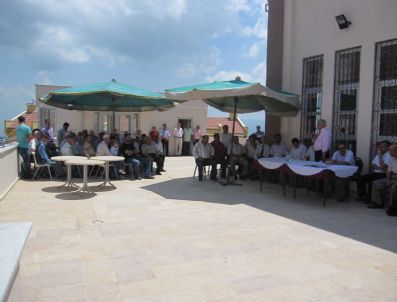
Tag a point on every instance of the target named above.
point(9, 168)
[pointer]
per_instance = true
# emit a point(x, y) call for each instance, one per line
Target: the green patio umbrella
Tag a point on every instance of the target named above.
point(111, 96)
point(238, 96)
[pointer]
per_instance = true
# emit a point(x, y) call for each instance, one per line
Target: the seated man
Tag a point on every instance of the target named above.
point(378, 171)
point(278, 149)
point(219, 154)
point(103, 150)
point(250, 152)
point(389, 183)
point(342, 157)
point(263, 149)
point(34, 142)
point(66, 149)
point(160, 151)
point(237, 157)
point(298, 150)
point(131, 154)
point(42, 157)
point(149, 151)
point(204, 153)
point(89, 149)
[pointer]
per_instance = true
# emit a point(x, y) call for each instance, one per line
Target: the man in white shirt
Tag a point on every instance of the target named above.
point(237, 157)
point(278, 149)
point(342, 157)
point(322, 143)
point(225, 136)
point(204, 154)
point(187, 140)
point(298, 150)
point(263, 149)
point(66, 149)
point(178, 136)
point(378, 171)
point(250, 148)
point(196, 135)
point(389, 183)
point(103, 147)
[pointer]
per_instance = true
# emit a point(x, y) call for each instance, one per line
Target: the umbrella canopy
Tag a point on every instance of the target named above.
point(251, 97)
point(111, 96)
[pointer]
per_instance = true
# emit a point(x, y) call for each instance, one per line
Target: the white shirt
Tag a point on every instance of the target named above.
point(238, 149)
point(348, 157)
point(298, 153)
point(278, 150)
point(33, 144)
point(103, 149)
point(226, 139)
point(66, 149)
point(262, 150)
point(178, 132)
point(310, 153)
point(386, 159)
point(323, 140)
point(250, 150)
point(203, 151)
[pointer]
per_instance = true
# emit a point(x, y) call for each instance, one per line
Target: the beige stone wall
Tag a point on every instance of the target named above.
point(9, 169)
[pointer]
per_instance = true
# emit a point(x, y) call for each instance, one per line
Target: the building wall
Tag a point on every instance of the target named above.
point(310, 29)
point(196, 111)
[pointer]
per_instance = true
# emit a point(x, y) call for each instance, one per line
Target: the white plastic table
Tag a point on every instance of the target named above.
point(64, 158)
point(107, 159)
point(85, 163)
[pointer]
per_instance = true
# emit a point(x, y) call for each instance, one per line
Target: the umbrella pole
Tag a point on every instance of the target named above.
point(114, 122)
point(228, 181)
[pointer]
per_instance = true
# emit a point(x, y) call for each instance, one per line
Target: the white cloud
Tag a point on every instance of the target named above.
point(259, 29)
point(239, 5)
point(256, 74)
point(42, 77)
point(201, 65)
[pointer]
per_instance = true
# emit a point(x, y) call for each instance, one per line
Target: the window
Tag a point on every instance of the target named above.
point(312, 84)
point(347, 80)
point(384, 124)
point(46, 113)
point(124, 123)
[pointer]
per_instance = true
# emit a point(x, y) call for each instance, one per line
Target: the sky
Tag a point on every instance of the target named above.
point(152, 44)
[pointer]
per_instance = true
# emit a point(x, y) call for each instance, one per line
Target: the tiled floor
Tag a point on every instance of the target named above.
point(175, 239)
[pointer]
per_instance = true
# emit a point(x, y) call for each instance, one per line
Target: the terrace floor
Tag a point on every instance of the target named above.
point(175, 239)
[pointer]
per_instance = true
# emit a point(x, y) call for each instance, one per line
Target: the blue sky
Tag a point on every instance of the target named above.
point(153, 44)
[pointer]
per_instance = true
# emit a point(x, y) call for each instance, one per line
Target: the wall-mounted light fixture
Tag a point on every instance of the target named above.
point(342, 22)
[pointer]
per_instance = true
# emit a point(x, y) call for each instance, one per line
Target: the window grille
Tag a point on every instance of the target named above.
point(312, 88)
point(347, 80)
point(46, 113)
point(384, 124)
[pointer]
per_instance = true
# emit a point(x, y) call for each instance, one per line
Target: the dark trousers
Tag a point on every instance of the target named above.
point(186, 148)
point(364, 184)
point(201, 162)
point(164, 142)
point(159, 160)
point(223, 163)
point(23, 152)
point(318, 155)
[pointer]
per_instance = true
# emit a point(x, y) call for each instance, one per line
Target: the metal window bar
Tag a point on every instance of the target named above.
point(312, 86)
point(384, 123)
point(346, 84)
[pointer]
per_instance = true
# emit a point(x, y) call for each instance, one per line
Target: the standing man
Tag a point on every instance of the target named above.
point(47, 129)
point(226, 137)
point(24, 134)
point(322, 143)
point(62, 132)
point(187, 140)
point(178, 134)
point(204, 153)
point(154, 133)
point(258, 133)
point(165, 136)
point(196, 135)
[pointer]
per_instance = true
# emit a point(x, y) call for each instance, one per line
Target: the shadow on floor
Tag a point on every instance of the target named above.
point(350, 219)
point(75, 195)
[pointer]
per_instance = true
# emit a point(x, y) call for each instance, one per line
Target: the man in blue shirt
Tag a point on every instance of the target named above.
point(42, 157)
point(24, 134)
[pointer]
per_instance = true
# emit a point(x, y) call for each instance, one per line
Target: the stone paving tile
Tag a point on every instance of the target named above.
point(175, 239)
